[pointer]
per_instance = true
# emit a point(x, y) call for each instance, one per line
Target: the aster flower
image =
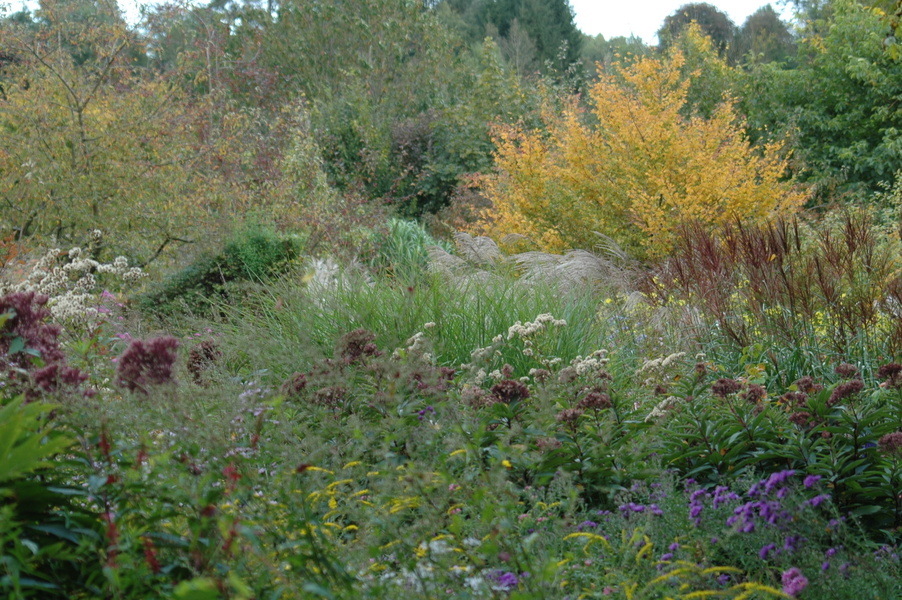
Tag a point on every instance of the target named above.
point(794, 582)
point(811, 480)
point(504, 580)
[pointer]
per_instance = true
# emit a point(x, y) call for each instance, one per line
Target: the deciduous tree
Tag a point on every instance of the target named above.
point(633, 171)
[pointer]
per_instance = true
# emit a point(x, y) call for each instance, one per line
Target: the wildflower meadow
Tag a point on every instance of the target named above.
point(447, 299)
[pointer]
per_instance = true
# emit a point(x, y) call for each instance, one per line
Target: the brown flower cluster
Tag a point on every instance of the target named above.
point(510, 390)
point(891, 374)
point(595, 400)
point(845, 390)
point(891, 444)
point(723, 387)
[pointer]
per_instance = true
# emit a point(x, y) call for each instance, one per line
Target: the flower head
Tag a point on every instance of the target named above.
point(510, 390)
point(845, 390)
point(794, 582)
point(891, 444)
point(846, 370)
point(723, 387)
point(892, 374)
point(145, 364)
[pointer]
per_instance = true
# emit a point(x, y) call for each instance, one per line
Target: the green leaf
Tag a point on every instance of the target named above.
point(17, 345)
point(866, 510)
point(199, 588)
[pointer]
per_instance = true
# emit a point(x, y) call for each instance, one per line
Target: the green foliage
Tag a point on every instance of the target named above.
point(254, 254)
point(597, 51)
point(45, 536)
point(403, 250)
point(836, 104)
point(763, 38)
point(544, 29)
point(713, 22)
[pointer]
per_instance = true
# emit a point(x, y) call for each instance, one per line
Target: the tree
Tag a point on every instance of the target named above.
point(635, 170)
point(548, 24)
point(839, 104)
point(599, 51)
point(713, 22)
point(89, 142)
point(764, 37)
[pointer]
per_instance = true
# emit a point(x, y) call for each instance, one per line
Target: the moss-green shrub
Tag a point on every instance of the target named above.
point(253, 254)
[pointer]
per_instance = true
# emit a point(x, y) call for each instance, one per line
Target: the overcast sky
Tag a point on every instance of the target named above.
point(610, 18)
point(613, 18)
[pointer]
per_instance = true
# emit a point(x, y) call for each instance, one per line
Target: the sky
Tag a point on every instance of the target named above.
point(611, 18)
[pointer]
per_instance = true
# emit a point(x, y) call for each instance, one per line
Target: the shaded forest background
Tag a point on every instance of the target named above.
point(318, 117)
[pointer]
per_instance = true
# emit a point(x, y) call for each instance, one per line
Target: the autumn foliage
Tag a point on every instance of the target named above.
point(632, 167)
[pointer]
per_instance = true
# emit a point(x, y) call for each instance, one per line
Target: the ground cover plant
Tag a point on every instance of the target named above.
point(368, 434)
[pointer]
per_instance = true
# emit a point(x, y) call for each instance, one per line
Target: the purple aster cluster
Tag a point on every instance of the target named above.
point(632, 508)
point(721, 495)
point(697, 505)
point(504, 580)
point(794, 582)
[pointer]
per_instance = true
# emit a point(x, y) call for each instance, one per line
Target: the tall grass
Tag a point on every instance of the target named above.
point(286, 325)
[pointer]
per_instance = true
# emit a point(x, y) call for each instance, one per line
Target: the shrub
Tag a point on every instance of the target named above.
point(252, 255)
point(633, 169)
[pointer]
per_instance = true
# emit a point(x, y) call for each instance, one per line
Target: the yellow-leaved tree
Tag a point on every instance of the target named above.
point(633, 167)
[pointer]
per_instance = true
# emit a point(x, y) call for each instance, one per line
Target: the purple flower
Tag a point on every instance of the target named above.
point(791, 543)
point(629, 507)
point(830, 552)
point(667, 557)
point(794, 582)
point(586, 525)
point(696, 505)
point(504, 580)
point(811, 480)
point(674, 547)
point(655, 510)
point(818, 500)
point(722, 495)
point(777, 479)
point(825, 565)
point(765, 550)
